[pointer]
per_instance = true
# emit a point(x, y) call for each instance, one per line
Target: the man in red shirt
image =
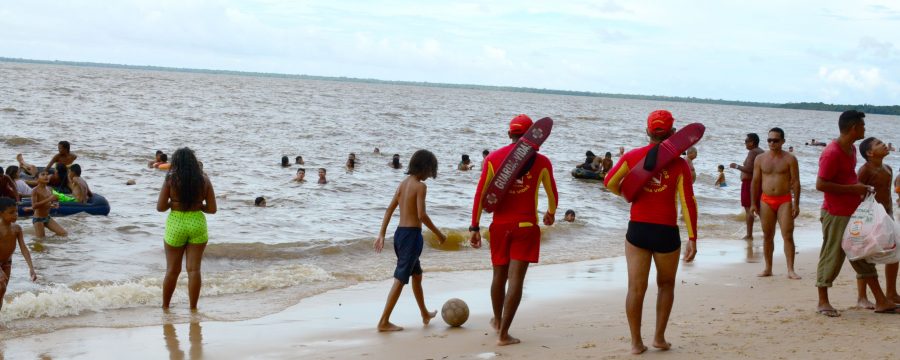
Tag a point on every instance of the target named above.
point(515, 235)
point(837, 179)
point(653, 230)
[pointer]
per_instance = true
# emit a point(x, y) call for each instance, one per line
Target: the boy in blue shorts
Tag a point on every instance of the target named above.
point(408, 242)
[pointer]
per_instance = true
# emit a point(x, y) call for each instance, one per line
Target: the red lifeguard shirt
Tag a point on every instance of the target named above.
point(521, 200)
point(840, 168)
point(658, 201)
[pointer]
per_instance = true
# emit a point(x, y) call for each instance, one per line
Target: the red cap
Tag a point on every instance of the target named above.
point(660, 122)
point(519, 124)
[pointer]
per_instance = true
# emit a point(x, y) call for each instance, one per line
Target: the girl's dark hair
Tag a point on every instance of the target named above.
point(423, 164)
point(285, 161)
point(63, 173)
point(186, 177)
point(12, 171)
point(395, 162)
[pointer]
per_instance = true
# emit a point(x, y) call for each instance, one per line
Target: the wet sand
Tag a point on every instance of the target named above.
point(569, 311)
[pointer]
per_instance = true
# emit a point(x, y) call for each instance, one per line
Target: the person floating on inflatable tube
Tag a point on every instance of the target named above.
point(515, 235)
point(652, 230)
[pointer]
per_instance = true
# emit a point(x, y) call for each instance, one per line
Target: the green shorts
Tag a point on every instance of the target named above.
point(186, 227)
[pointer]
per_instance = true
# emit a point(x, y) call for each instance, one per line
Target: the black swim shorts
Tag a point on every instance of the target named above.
point(408, 244)
point(654, 237)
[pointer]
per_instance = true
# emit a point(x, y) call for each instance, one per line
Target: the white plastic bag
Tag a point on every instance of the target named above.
point(870, 231)
point(890, 254)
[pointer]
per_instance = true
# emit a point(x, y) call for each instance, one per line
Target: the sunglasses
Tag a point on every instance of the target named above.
point(774, 141)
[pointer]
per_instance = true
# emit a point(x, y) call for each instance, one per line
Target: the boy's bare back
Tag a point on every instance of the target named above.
point(411, 200)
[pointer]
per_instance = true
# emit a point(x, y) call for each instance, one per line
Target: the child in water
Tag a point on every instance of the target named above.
point(720, 182)
point(408, 242)
point(10, 235)
point(41, 200)
point(570, 216)
point(260, 201)
point(301, 175)
point(322, 179)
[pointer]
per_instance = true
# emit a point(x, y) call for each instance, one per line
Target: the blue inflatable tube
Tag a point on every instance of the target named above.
point(580, 173)
point(96, 205)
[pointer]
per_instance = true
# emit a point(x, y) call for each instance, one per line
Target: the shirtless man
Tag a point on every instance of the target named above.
point(690, 155)
point(776, 176)
point(877, 174)
point(753, 150)
point(64, 156)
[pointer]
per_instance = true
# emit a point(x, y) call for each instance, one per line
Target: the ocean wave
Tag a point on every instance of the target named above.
point(18, 141)
point(61, 300)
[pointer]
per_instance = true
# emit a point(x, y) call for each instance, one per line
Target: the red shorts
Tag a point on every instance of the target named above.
point(516, 241)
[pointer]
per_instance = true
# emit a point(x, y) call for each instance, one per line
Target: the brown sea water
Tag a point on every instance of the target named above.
point(315, 237)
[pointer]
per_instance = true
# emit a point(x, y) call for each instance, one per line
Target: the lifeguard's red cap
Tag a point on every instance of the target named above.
point(660, 122)
point(520, 124)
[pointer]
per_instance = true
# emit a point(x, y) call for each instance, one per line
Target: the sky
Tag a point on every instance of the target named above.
point(771, 51)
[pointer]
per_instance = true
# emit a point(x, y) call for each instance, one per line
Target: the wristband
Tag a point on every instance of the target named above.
point(474, 228)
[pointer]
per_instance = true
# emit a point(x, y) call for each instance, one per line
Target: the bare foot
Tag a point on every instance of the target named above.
point(389, 327)
point(747, 237)
point(495, 324)
point(426, 317)
point(895, 299)
point(662, 345)
point(508, 340)
point(637, 349)
point(765, 273)
point(793, 276)
point(865, 304)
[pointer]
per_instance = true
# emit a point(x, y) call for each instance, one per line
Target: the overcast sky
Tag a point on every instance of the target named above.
point(764, 50)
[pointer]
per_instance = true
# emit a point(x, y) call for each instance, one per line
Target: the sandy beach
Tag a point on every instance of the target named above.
point(569, 311)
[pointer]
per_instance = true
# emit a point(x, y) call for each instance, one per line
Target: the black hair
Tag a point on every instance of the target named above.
point(75, 169)
point(423, 164)
point(298, 159)
point(570, 211)
point(12, 171)
point(589, 154)
point(465, 158)
point(850, 118)
point(285, 162)
point(186, 176)
point(778, 130)
point(163, 157)
point(323, 170)
point(158, 152)
point(63, 172)
point(608, 154)
point(753, 138)
point(395, 162)
point(865, 146)
point(721, 167)
point(66, 145)
point(259, 200)
point(303, 170)
point(6, 203)
point(485, 152)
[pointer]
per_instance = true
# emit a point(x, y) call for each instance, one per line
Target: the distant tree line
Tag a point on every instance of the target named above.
point(867, 108)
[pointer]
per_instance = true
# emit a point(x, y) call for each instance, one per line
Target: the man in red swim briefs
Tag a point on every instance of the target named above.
point(753, 150)
point(775, 176)
point(515, 235)
point(653, 231)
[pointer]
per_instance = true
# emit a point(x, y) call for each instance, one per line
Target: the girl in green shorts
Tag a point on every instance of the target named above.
point(188, 192)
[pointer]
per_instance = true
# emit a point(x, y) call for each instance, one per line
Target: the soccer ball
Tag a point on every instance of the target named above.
point(455, 312)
